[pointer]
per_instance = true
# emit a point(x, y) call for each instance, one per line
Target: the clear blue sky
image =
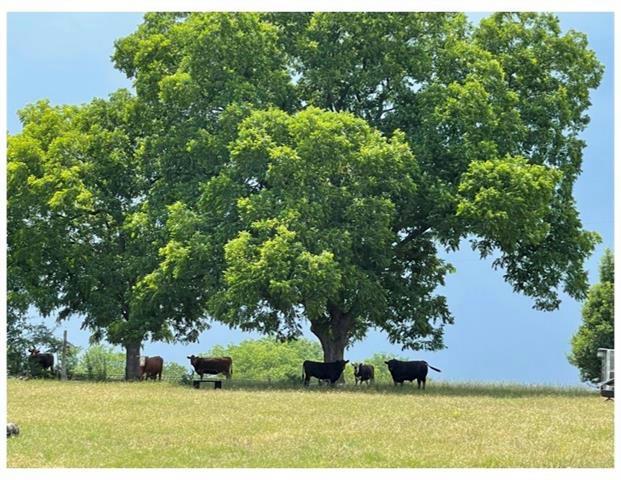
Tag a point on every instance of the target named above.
point(497, 336)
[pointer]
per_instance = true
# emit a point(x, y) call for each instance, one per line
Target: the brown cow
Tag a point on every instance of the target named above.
point(212, 365)
point(151, 368)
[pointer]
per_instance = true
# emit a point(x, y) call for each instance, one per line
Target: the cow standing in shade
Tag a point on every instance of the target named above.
point(323, 370)
point(151, 368)
point(41, 360)
point(363, 373)
point(410, 371)
point(212, 365)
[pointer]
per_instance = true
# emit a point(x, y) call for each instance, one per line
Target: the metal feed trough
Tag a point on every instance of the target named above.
point(607, 379)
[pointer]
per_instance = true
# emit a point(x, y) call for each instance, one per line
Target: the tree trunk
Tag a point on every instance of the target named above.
point(333, 337)
point(333, 349)
point(132, 361)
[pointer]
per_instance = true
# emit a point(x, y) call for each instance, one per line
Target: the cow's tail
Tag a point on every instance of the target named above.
point(433, 368)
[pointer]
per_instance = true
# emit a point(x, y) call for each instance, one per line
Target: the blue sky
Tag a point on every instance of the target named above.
point(497, 336)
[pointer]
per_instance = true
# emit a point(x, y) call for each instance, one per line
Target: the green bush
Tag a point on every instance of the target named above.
point(174, 372)
point(100, 362)
point(269, 359)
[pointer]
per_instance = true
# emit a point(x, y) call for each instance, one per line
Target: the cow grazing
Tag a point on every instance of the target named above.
point(212, 365)
point(364, 373)
point(410, 371)
point(323, 370)
point(40, 360)
point(151, 367)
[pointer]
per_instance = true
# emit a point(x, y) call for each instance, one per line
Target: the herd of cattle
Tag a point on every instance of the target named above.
point(151, 368)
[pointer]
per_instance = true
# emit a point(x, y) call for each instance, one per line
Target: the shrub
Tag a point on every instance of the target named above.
point(269, 359)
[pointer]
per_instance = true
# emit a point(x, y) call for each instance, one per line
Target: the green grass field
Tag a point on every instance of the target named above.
point(81, 424)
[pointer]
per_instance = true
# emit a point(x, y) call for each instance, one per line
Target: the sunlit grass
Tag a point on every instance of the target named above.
point(80, 424)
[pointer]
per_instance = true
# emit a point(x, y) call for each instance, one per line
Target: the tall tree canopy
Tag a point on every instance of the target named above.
point(75, 203)
point(89, 186)
point(598, 323)
point(282, 168)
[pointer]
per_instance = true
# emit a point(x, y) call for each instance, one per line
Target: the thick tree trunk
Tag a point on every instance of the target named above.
point(132, 361)
point(333, 350)
point(333, 337)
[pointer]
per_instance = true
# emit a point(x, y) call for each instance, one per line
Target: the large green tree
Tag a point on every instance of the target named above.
point(426, 130)
point(491, 117)
point(598, 323)
point(75, 197)
point(89, 186)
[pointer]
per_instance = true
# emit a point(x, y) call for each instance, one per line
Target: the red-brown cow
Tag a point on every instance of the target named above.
point(151, 368)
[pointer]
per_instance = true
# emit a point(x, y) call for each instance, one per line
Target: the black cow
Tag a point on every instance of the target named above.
point(41, 361)
point(212, 365)
point(410, 371)
point(363, 373)
point(151, 367)
point(323, 370)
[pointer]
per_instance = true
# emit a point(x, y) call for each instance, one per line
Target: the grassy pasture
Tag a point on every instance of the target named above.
point(82, 424)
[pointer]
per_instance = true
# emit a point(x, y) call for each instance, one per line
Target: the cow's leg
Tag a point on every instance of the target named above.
point(306, 379)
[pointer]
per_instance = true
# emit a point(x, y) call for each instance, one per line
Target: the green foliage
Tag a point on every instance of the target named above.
point(101, 362)
point(506, 199)
point(597, 329)
point(23, 335)
point(320, 200)
point(316, 216)
point(223, 189)
point(174, 372)
point(268, 358)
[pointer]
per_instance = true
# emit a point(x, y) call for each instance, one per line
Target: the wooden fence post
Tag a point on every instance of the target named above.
point(63, 370)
